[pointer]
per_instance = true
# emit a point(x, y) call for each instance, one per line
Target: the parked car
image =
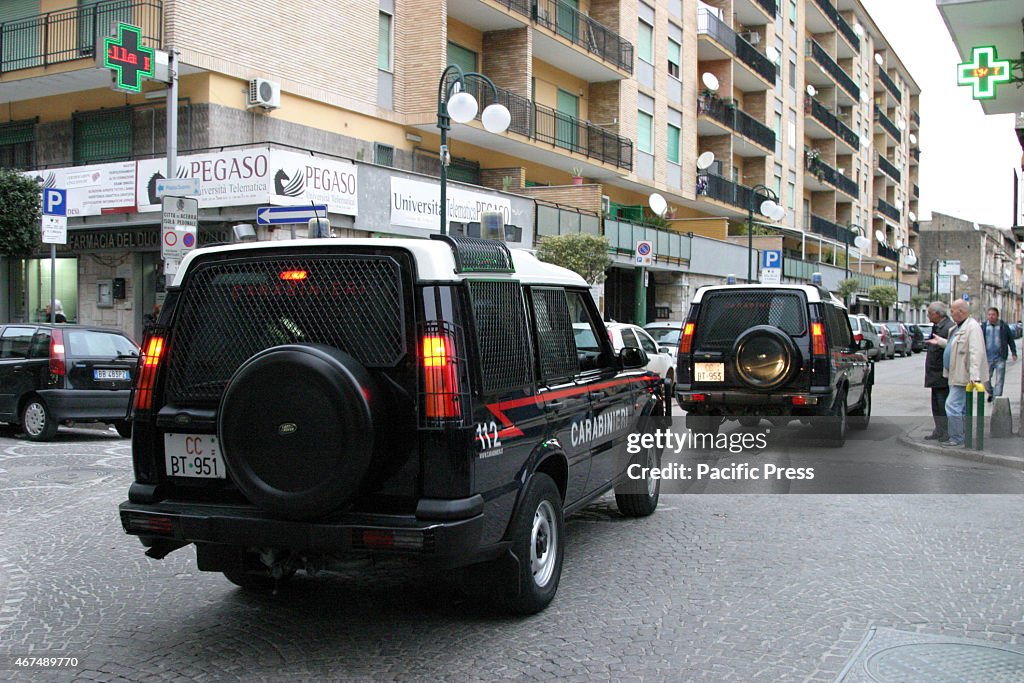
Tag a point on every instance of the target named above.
point(885, 337)
point(53, 374)
point(781, 352)
point(660, 359)
point(667, 333)
point(310, 403)
point(917, 338)
point(864, 330)
point(900, 337)
point(926, 330)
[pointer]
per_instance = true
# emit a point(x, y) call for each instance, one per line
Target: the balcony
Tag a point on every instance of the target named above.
point(577, 43)
point(717, 187)
point(829, 10)
point(544, 124)
point(888, 210)
point(754, 12)
point(889, 84)
point(915, 119)
point(916, 227)
point(886, 123)
point(887, 252)
point(833, 71)
point(71, 34)
point(915, 155)
point(831, 125)
point(732, 45)
point(736, 120)
point(916, 190)
point(833, 231)
point(582, 31)
point(887, 167)
point(827, 177)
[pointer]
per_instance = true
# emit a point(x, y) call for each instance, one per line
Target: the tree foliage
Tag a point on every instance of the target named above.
point(918, 300)
point(20, 200)
point(584, 254)
point(883, 295)
point(848, 287)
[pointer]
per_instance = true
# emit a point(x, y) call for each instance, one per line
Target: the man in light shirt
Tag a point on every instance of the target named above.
point(966, 362)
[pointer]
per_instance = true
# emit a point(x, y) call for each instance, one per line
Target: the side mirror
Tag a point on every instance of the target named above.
point(666, 349)
point(630, 358)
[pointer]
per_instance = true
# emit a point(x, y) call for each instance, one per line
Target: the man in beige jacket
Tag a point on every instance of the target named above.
point(965, 363)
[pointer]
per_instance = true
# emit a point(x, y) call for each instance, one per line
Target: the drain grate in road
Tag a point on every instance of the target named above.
point(71, 475)
point(893, 656)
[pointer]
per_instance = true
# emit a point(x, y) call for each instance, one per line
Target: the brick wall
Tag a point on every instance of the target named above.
point(508, 59)
point(587, 197)
point(421, 53)
point(494, 178)
point(604, 104)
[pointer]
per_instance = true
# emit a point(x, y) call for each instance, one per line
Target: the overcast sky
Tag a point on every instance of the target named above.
point(967, 158)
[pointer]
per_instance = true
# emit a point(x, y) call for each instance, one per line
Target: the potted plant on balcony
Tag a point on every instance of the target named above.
point(577, 175)
point(813, 155)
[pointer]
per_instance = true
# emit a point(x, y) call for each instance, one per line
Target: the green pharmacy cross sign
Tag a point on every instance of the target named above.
point(983, 72)
point(128, 57)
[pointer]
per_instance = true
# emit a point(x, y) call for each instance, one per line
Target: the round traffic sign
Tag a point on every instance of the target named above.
point(644, 248)
point(170, 238)
point(189, 240)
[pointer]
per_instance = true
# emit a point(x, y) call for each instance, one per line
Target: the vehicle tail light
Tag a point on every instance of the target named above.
point(440, 377)
point(293, 275)
point(58, 366)
point(858, 336)
point(152, 524)
point(389, 539)
point(149, 363)
point(686, 341)
point(799, 400)
point(818, 339)
point(699, 398)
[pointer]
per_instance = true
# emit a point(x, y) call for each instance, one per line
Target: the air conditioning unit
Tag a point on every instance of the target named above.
point(263, 93)
point(751, 37)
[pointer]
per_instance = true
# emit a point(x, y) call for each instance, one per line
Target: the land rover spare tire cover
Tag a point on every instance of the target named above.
point(765, 357)
point(297, 428)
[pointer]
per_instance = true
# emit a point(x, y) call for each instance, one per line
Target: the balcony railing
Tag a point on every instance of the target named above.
point(886, 123)
point(890, 85)
point(844, 27)
point(916, 154)
point(717, 187)
point(827, 174)
point(916, 190)
point(570, 23)
point(888, 168)
point(916, 227)
point(888, 252)
point(669, 246)
point(833, 231)
point(916, 118)
point(550, 126)
point(711, 25)
point(829, 120)
point(887, 209)
point(70, 34)
point(769, 6)
point(737, 120)
point(819, 55)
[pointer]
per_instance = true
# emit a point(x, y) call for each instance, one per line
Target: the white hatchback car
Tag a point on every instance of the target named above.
point(662, 357)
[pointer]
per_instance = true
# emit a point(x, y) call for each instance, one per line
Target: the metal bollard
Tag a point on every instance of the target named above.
point(975, 390)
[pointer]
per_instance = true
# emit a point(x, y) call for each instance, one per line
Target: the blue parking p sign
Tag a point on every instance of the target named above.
point(55, 202)
point(771, 258)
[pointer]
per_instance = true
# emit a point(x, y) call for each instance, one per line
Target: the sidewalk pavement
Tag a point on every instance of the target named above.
point(1008, 452)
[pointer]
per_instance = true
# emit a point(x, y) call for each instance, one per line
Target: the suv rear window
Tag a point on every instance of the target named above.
point(231, 310)
point(726, 314)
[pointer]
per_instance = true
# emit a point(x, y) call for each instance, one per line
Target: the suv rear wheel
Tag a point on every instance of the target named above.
point(37, 421)
point(835, 423)
point(538, 541)
point(861, 417)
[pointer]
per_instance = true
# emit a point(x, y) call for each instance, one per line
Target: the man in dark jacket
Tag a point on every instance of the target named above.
point(933, 375)
point(998, 342)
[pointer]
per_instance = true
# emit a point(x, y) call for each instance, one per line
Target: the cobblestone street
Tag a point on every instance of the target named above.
point(710, 588)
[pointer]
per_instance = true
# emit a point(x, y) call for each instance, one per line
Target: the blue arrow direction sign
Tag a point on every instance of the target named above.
point(280, 215)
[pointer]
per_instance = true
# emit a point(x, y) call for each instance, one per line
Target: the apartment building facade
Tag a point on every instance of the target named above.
point(611, 100)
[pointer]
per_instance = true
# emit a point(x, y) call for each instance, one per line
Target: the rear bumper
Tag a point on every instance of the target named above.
point(87, 404)
point(444, 541)
point(739, 403)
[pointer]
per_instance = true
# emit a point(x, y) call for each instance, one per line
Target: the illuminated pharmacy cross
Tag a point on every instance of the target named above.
point(128, 57)
point(984, 72)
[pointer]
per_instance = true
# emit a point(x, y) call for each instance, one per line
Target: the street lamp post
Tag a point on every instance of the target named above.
point(455, 104)
point(770, 208)
point(911, 260)
point(857, 233)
